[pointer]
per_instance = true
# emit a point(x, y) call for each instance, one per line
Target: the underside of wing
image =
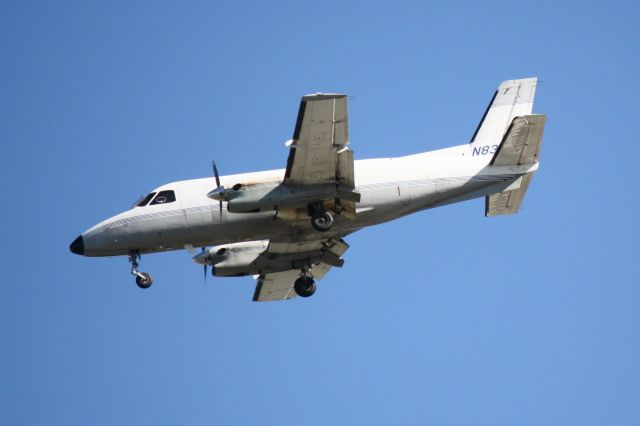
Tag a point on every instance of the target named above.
point(311, 258)
point(320, 163)
point(321, 131)
point(275, 286)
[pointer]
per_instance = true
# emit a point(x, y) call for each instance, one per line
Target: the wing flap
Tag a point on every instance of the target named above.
point(335, 247)
point(286, 247)
point(346, 177)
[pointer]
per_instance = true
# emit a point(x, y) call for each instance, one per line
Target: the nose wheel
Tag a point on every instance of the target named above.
point(143, 279)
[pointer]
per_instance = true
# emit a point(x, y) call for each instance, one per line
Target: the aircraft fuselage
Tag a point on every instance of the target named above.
point(389, 188)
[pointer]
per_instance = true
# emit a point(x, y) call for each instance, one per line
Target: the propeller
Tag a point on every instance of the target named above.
point(215, 173)
point(205, 268)
point(203, 258)
point(218, 193)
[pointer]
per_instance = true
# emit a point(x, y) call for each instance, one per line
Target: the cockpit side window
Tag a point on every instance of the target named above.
point(142, 201)
point(164, 197)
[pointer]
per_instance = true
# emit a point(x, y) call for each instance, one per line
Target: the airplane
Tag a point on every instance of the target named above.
point(286, 227)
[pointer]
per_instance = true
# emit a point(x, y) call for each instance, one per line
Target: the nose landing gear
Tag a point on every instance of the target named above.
point(143, 279)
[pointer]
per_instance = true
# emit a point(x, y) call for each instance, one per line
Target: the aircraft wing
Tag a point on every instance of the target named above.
point(322, 254)
point(318, 153)
point(276, 286)
point(321, 131)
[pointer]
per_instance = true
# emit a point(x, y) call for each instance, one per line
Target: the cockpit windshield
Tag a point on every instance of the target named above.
point(142, 201)
point(162, 197)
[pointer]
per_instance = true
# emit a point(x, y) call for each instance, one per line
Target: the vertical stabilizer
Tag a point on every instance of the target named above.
point(513, 98)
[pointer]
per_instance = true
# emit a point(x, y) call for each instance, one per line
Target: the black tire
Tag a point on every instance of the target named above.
point(144, 280)
point(322, 222)
point(304, 286)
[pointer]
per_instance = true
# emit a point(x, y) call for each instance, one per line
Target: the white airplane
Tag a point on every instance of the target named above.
point(285, 227)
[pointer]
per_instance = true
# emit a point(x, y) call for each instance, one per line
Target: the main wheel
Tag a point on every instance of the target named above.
point(144, 280)
point(322, 222)
point(304, 286)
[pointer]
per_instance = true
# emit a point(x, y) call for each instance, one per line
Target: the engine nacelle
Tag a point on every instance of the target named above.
point(252, 258)
point(267, 197)
point(261, 197)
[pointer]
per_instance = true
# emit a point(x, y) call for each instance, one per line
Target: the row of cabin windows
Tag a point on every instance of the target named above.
point(162, 197)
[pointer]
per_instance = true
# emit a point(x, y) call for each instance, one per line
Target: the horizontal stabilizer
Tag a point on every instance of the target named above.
point(507, 202)
point(520, 146)
point(521, 143)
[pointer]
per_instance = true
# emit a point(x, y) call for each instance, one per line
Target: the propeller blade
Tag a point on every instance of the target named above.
point(205, 266)
point(217, 176)
point(215, 173)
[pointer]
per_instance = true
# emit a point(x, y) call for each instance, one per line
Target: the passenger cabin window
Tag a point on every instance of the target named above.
point(164, 197)
point(142, 201)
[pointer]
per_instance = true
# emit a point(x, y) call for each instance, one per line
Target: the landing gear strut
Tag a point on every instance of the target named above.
point(304, 286)
point(143, 279)
point(321, 220)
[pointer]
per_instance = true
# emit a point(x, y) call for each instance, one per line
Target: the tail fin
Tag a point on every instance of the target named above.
point(513, 98)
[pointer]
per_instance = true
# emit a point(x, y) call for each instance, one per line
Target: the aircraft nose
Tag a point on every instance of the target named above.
point(77, 246)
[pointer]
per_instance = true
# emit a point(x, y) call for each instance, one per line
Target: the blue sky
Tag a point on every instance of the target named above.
point(444, 317)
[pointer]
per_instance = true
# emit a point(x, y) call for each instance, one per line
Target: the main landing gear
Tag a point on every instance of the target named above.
point(143, 279)
point(321, 220)
point(304, 286)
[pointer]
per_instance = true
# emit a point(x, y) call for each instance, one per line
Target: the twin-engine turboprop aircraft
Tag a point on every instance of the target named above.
point(286, 226)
